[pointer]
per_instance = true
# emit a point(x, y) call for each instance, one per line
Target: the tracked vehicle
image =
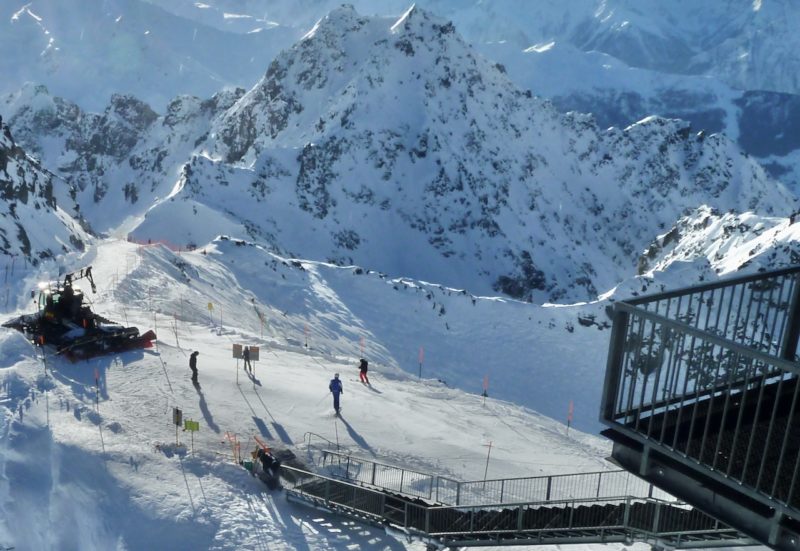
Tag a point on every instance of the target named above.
point(63, 321)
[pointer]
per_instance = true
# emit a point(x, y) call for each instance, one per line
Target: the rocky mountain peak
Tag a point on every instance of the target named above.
point(31, 224)
point(130, 110)
point(390, 144)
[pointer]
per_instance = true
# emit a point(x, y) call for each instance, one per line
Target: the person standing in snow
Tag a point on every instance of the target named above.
point(193, 365)
point(363, 371)
point(336, 389)
point(246, 357)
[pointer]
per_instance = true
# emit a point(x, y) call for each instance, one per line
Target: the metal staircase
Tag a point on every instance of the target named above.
point(602, 507)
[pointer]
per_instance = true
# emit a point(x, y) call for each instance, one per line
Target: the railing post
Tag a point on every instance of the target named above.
point(458, 493)
point(427, 520)
point(656, 518)
point(616, 356)
point(430, 492)
point(571, 514)
point(599, 478)
point(626, 515)
point(402, 473)
point(549, 486)
point(502, 489)
point(790, 337)
point(374, 467)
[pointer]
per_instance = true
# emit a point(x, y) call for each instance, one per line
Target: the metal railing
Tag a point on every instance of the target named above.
point(709, 374)
point(621, 518)
point(596, 485)
point(448, 491)
point(752, 311)
point(377, 474)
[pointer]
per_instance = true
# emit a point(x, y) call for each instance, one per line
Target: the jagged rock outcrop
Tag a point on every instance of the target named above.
point(32, 226)
point(391, 144)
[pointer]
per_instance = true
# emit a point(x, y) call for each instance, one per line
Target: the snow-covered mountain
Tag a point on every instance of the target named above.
point(126, 47)
point(376, 181)
point(392, 145)
point(617, 59)
point(33, 226)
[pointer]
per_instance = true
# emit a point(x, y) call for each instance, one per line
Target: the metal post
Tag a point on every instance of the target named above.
point(626, 516)
point(549, 486)
point(599, 479)
point(792, 334)
point(657, 518)
point(614, 364)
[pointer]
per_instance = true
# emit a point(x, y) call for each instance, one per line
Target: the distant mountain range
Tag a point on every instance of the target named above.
point(390, 144)
point(726, 66)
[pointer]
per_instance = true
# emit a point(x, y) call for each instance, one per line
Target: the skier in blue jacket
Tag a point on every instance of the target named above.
point(336, 389)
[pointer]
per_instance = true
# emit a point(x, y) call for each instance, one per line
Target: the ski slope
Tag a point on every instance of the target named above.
point(85, 467)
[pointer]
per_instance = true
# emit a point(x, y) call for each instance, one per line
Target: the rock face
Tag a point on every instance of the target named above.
point(32, 226)
point(391, 144)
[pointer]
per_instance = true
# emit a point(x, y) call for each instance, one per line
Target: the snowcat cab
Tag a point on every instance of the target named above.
point(64, 301)
point(63, 320)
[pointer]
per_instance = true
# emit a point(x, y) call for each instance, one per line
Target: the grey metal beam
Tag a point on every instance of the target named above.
point(738, 509)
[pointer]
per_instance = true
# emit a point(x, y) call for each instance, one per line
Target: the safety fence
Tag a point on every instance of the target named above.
point(603, 520)
point(448, 491)
point(709, 375)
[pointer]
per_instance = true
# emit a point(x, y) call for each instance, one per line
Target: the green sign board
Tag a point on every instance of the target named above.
point(193, 426)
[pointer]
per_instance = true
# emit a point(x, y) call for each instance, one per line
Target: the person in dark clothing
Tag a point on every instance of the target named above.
point(363, 371)
point(270, 469)
point(336, 389)
point(246, 357)
point(193, 365)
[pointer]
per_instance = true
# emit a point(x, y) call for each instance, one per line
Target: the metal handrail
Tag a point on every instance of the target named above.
point(443, 521)
point(723, 282)
point(711, 337)
point(448, 491)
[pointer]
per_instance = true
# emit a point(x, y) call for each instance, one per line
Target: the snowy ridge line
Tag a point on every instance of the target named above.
point(163, 242)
